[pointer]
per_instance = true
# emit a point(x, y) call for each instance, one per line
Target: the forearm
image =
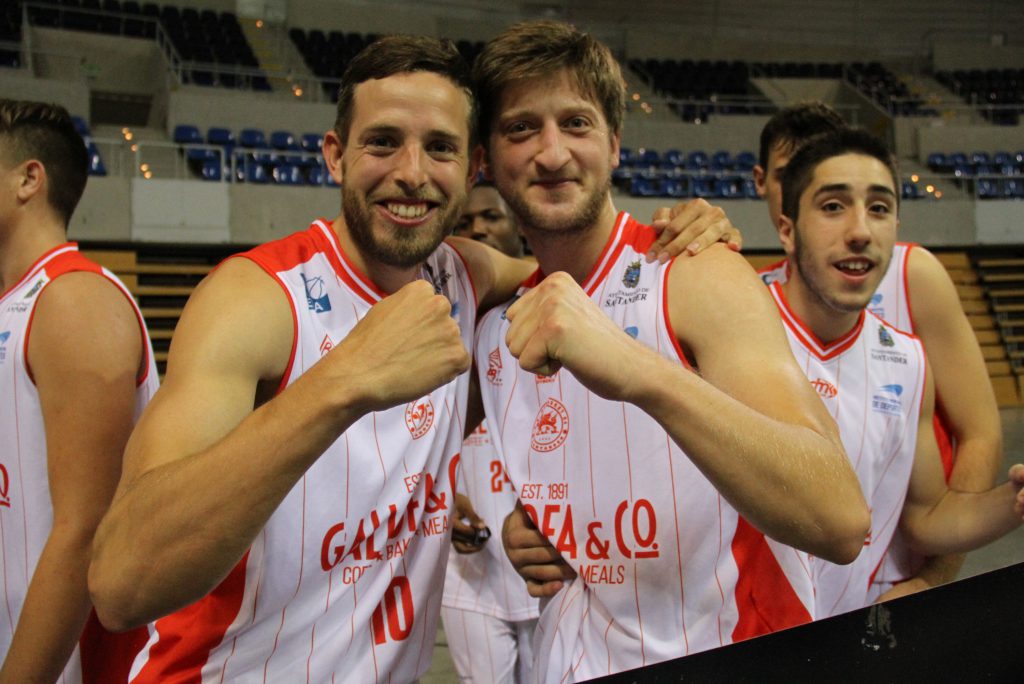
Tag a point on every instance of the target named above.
point(962, 521)
point(173, 534)
point(54, 613)
point(977, 462)
point(790, 481)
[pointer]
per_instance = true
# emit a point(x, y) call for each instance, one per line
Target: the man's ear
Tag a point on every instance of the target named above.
point(32, 179)
point(759, 181)
point(787, 234)
point(616, 149)
point(333, 149)
point(477, 166)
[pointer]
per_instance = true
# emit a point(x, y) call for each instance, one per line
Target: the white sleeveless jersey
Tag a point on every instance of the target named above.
point(872, 382)
point(890, 301)
point(26, 514)
point(485, 582)
point(343, 582)
point(666, 566)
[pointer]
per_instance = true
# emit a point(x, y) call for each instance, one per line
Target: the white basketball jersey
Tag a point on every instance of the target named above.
point(26, 514)
point(666, 566)
point(485, 582)
point(343, 583)
point(871, 380)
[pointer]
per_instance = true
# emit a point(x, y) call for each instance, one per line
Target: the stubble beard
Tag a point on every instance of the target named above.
point(397, 247)
point(809, 275)
point(536, 223)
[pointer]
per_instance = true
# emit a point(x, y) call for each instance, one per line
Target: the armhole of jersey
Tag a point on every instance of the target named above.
point(669, 329)
point(469, 274)
point(28, 335)
point(291, 306)
point(140, 378)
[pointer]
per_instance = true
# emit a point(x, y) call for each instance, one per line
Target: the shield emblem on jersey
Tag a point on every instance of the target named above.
point(632, 276)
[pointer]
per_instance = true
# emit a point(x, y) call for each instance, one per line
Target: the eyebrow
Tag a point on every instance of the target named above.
point(845, 187)
point(434, 134)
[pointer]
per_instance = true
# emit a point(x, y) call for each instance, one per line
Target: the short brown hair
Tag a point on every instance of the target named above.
point(400, 54)
point(796, 124)
point(799, 172)
point(36, 130)
point(538, 49)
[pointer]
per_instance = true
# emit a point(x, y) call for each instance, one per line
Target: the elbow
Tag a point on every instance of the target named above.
point(849, 527)
point(112, 596)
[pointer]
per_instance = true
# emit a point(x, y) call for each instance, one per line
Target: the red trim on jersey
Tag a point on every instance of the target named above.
point(765, 600)
point(188, 636)
point(609, 255)
point(349, 272)
point(772, 267)
point(807, 338)
point(668, 318)
point(35, 267)
point(107, 657)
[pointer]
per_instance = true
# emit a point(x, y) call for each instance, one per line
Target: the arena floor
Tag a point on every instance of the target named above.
point(1006, 551)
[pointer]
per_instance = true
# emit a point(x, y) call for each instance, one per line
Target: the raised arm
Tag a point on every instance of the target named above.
point(204, 471)
point(938, 519)
point(84, 351)
point(749, 421)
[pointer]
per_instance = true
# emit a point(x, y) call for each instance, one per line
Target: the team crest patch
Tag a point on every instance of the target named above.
point(419, 416)
point(551, 427)
point(35, 288)
point(631, 278)
point(4, 336)
point(884, 338)
point(494, 367)
point(824, 388)
point(316, 294)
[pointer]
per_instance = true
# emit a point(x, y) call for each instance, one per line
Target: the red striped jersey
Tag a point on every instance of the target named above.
point(26, 514)
point(485, 582)
point(666, 566)
point(871, 380)
point(342, 584)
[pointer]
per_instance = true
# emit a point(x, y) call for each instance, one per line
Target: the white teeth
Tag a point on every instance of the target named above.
point(407, 211)
point(855, 266)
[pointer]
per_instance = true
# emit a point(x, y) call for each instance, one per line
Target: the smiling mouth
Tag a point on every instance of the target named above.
point(854, 267)
point(407, 211)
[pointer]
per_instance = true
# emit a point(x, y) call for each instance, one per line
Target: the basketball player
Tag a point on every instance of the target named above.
point(287, 499)
point(76, 368)
point(915, 295)
point(838, 227)
point(635, 468)
point(488, 219)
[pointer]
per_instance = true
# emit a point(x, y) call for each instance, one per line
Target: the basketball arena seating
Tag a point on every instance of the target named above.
point(988, 87)
point(995, 175)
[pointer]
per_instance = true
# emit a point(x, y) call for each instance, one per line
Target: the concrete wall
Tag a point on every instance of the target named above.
point(111, 64)
point(20, 84)
point(731, 133)
point(205, 107)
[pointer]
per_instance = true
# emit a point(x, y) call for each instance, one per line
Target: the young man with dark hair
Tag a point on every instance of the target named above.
point(915, 295)
point(288, 497)
point(838, 226)
point(637, 469)
point(76, 368)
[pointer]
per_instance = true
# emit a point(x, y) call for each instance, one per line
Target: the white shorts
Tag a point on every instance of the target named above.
point(487, 649)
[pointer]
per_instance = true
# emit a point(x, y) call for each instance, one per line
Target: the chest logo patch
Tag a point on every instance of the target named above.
point(551, 427)
point(419, 416)
point(824, 388)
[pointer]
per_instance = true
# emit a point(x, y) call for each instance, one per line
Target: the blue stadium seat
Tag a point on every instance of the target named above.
point(987, 188)
point(253, 138)
point(674, 157)
point(80, 125)
point(220, 136)
point(937, 162)
point(721, 161)
point(1012, 188)
point(980, 158)
point(645, 187)
point(211, 170)
point(288, 174)
point(706, 187)
point(745, 161)
point(256, 173)
point(697, 161)
point(648, 157)
point(283, 140)
point(185, 134)
point(909, 190)
point(627, 157)
point(96, 166)
point(730, 187)
point(750, 189)
point(311, 142)
point(678, 188)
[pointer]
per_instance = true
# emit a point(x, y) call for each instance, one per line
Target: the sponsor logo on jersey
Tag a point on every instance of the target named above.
point(631, 278)
point(545, 379)
point(316, 294)
point(875, 305)
point(5, 485)
point(18, 307)
point(824, 388)
point(632, 331)
point(35, 288)
point(550, 427)
point(419, 416)
point(622, 297)
point(885, 338)
point(4, 336)
point(494, 367)
point(438, 280)
point(887, 400)
point(326, 345)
